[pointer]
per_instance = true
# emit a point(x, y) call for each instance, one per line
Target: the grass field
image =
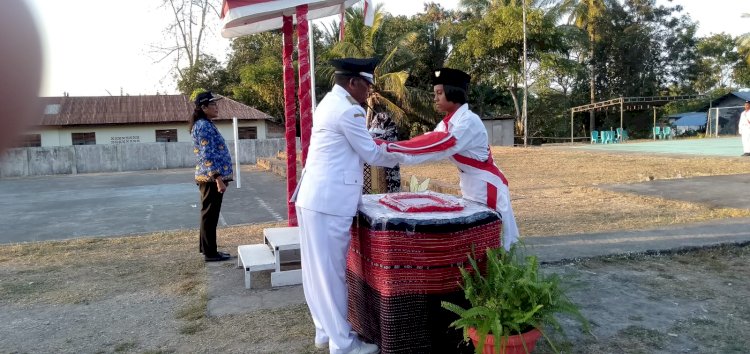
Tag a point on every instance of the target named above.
point(554, 192)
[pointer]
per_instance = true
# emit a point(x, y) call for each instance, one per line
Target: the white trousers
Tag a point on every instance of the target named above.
point(746, 142)
point(324, 243)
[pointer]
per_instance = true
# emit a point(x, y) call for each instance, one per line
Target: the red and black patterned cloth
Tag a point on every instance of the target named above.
point(401, 265)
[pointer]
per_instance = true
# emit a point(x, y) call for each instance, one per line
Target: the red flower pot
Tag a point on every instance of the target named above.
point(513, 344)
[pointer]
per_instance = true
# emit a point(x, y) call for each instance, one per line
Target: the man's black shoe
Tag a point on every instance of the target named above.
point(746, 154)
point(217, 257)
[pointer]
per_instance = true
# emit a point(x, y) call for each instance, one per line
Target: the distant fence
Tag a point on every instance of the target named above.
point(37, 161)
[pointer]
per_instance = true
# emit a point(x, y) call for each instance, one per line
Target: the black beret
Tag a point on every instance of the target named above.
point(452, 77)
point(204, 98)
point(364, 68)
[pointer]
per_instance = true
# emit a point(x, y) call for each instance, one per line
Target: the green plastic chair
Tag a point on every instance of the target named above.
point(603, 136)
point(622, 135)
point(666, 133)
point(594, 136)
point(657, 133)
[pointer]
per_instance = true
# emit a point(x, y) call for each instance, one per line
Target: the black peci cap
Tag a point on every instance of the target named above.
point(452, 77)
point(364, 68)
point(204, 98)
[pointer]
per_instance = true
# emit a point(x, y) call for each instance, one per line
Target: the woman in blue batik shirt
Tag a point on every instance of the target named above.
point(213, 171)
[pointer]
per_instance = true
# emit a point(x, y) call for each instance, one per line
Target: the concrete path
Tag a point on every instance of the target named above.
point(115, 204)
point(552, 249)
point(732, 191)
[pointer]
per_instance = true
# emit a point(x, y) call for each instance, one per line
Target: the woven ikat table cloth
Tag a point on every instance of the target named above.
point(401, 265)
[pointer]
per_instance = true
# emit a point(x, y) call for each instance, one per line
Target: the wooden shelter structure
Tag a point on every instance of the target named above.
point(629, 104)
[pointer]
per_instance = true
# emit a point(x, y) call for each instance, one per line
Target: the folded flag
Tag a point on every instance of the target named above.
point(424, 144)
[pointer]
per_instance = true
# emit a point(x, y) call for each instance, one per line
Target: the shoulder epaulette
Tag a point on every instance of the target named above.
point(352, 100)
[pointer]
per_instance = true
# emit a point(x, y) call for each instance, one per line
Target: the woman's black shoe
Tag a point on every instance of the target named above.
point(217, 257)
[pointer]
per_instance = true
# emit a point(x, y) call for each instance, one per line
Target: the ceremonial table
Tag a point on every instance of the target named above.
point(401, 265)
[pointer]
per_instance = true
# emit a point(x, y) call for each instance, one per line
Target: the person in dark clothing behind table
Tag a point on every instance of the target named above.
point(384, 128)
point(213, 171)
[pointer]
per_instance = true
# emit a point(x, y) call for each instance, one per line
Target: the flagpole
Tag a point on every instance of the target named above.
point(313, 99)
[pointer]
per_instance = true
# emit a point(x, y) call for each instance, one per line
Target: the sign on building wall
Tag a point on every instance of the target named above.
point(125, 139)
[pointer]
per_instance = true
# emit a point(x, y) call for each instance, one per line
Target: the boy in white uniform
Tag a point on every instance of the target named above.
point(744, 129)
point(462, 138)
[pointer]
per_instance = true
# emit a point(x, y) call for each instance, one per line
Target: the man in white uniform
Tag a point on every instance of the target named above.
point(330, 189)
point(462, 138)
point(744, 129)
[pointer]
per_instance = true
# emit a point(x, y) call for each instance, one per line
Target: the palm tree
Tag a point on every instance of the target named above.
point(391, 92)
point(584, 14)
point(743, 42)
point(492, 47)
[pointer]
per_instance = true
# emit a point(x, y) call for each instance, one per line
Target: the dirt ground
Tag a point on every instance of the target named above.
point(147, 294)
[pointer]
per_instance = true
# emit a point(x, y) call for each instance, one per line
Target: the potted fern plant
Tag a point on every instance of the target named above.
point(511, 303)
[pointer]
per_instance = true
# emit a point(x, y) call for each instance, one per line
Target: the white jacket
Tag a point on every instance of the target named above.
point(340, 144)
point(744, 126)
point(472, 143)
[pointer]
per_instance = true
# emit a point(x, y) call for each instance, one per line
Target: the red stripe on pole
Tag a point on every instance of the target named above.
point(289, 116)
point(305, 105)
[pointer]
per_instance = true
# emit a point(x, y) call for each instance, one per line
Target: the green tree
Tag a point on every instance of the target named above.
point(585, 14)
point(492, 47)
point(718, 58)
point(741, 74)
point(743, 42)
point(391, 74)
point(207, 74)
point(255, 72)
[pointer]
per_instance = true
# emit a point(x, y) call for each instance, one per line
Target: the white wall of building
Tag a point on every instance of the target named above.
point(121, 134)
point(499, 131)
point(227, 131)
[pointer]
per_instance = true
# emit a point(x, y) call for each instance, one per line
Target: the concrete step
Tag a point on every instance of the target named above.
point(253, 258)
point(286, 277)
point(276, 166)
point(282, 156)
point(284, 242)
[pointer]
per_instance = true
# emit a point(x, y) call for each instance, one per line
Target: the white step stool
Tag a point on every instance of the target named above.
point(253, 258)
point(268, 256)
point(286, 240)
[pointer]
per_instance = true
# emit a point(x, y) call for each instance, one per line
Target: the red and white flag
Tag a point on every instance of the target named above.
point(369, 13)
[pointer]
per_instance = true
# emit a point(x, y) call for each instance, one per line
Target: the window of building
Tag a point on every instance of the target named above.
point(30, 140)
point(247, 132)
point(84, 138)
point(166, 136)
